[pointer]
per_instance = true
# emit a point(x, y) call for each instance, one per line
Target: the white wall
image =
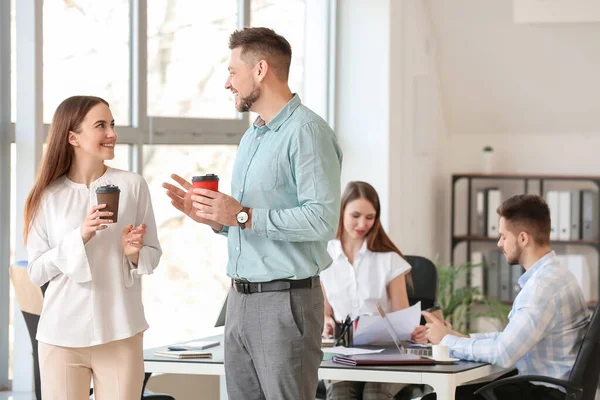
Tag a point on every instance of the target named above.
point(528, 153)
point(362, 92)
point(531, 91)
point(422, 86)
point(418, 133)
point(506, 78)
point(388, 89)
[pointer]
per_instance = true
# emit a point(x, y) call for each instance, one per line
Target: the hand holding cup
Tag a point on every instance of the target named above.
point(95, 221)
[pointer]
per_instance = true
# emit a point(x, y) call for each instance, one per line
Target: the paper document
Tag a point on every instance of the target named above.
point(372, 330)
point(349, 351)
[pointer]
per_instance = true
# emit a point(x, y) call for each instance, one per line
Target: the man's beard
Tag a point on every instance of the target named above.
point(247, 102)
point(514, 260)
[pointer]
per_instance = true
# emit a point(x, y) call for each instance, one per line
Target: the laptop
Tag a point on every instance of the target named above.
point(404, 358)
point(411, 348)
point(221, 317)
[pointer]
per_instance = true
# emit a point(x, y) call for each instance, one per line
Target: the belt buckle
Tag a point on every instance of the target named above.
point(246, 288)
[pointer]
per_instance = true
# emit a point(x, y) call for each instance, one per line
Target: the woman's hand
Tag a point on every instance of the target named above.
point(132, 240)
point(93, 222)
point(328, 327)
point(419, 335)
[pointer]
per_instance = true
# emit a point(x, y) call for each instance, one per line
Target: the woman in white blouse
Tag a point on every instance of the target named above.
point(367, 269)
point(92, 320)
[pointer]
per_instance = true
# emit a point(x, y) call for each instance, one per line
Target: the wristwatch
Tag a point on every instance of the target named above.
point(242, 217)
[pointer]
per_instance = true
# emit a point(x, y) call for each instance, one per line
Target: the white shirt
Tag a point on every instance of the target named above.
point(94, 295)
point(355, 289)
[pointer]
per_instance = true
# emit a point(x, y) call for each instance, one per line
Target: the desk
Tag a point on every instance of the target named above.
point(443, 378)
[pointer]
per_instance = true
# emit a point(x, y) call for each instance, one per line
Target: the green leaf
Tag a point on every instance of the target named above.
point(463, 304)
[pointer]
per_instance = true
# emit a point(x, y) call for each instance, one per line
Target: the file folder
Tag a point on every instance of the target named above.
point(564, 215)
point(492, 220)
point(552, 200)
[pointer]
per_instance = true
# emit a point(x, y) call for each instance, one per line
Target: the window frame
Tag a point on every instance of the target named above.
point(6, 132)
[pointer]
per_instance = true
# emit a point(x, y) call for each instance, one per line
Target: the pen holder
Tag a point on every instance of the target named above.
point(343, 334)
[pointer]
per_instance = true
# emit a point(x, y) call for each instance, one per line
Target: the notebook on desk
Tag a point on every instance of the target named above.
point(183, 354)
point(383, 359)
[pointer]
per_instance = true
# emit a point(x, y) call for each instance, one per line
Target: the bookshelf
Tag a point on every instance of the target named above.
point(525, 183)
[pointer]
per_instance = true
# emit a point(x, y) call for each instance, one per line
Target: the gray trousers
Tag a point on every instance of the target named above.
point(273, 344)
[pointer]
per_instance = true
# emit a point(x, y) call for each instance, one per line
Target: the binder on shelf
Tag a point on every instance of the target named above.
point(516, 271)
point(505, 281)
point(477, 272)
point(481, 213)
point(589, 224)
point(494, 201)
point(552, 200)
point(492, 276)
point(564, 215)
point(576, 263)
point(575, 215)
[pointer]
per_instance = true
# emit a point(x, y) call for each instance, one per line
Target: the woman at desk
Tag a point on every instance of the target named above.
point(367, 269)
point(92, 258)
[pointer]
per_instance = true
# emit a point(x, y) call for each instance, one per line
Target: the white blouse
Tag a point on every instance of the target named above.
point(94, 295)
point(355, 289)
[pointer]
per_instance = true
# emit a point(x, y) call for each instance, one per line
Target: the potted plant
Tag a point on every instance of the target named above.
point(462, 304)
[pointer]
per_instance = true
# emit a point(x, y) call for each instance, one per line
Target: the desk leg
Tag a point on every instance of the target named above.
point(222, 388)
point(444, 386)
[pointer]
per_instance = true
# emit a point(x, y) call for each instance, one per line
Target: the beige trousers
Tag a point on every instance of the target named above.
point(116, 367)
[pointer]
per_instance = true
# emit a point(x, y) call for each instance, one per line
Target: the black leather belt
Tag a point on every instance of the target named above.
point(275, 286)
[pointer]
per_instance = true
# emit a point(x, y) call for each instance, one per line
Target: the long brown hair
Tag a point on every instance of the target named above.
point(59, 152)
point(377, 240)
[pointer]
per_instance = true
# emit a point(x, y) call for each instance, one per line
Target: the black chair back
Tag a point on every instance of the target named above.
point(424, 276)
point(586, 370)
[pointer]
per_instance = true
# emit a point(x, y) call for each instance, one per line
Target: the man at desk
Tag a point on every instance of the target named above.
point(548, 319)
point(284, 209)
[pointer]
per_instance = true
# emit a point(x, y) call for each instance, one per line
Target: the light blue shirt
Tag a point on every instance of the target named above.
point(288, 172)
point(546, 326)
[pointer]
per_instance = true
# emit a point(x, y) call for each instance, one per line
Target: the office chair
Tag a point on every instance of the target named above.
point(424, 275)
point(583, 379)
point(30, 298)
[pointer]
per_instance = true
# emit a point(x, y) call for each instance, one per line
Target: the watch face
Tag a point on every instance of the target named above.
point(242, 217)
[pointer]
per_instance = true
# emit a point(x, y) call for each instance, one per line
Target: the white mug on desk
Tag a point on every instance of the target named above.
point(440, 352)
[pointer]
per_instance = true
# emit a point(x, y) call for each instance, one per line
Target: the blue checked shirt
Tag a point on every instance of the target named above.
point(546, 325)
point(288, 171)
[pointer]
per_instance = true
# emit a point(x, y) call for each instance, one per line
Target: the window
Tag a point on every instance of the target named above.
point(13, 62)
point(87, 51)
point(122, 158)
point(287, 18)
point(13, 234)
point(188, 55)
point(183, 297)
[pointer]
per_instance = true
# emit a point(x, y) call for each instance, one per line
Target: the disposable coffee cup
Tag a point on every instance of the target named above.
point(109, 195)
point(208, 181)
